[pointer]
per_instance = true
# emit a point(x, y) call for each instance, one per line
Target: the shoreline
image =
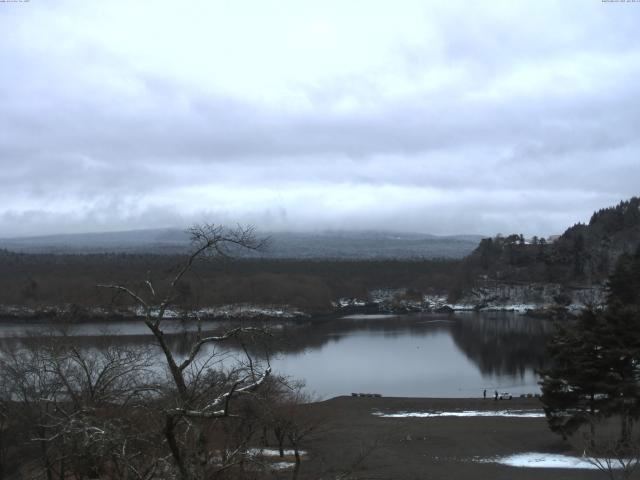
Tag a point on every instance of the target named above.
point(489, 403)
point(74, 314)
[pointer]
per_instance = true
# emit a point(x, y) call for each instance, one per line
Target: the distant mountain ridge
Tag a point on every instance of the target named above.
point(305, 245)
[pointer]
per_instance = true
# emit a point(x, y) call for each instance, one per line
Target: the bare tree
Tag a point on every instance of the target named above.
point(617, 460)
point(59, 401)
point(282, 414)
point(30, 392)
point(198, 391)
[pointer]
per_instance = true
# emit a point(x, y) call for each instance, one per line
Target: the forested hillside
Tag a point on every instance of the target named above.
point(584, 253)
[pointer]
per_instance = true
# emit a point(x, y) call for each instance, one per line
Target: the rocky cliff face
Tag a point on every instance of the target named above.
point(547, 299)
point(534, 295)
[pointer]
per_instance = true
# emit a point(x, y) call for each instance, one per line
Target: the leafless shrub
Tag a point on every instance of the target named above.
point(617, 460)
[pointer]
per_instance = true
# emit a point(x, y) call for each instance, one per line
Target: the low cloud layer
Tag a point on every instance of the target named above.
point(441, 117)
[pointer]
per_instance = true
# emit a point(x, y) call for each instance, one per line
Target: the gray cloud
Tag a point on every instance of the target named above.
point(516, 116)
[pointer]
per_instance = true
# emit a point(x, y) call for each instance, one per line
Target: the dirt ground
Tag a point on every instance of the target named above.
point(350, 439)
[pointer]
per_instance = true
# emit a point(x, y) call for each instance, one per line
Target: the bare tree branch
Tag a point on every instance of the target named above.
point(203, 341)
point(209, 412)
point(129, 292)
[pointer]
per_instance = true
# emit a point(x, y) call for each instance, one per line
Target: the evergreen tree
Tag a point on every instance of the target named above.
point(624, 283)
point(596, 360)
point(574, 387)
point(620, 336)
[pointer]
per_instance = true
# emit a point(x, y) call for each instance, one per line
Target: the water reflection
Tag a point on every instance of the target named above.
point(413, 355)
point(422, 355)
point(502, 343)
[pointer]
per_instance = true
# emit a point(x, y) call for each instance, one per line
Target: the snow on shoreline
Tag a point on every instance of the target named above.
point(551, 460)
point(381, 302)
point(241, 310)
point(465, 413)
point(272, 452)
point(391, 300)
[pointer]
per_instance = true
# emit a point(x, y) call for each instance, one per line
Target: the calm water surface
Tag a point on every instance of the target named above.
point(423, 355)
point(413, 355)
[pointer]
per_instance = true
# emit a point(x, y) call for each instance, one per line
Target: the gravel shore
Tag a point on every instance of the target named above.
point(353, 436)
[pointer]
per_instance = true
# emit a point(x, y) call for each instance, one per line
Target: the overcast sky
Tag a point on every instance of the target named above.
point(428, 116)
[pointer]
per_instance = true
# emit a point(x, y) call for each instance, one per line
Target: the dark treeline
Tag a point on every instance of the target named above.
point(53, 279)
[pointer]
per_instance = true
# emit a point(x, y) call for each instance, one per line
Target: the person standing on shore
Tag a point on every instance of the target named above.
point(484, 394)
point(495, 395)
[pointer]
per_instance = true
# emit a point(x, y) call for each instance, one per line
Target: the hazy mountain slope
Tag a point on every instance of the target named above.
point(333, 244)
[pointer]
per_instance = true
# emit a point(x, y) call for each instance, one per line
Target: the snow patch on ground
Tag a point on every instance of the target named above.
point(272, 452)
point(465, 413)
point(349, 302)
point(282, 465)
point(550, 460)
point(252, 311)
point(515, 307)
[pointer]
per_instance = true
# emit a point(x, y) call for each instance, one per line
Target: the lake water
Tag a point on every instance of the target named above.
point(428, 355)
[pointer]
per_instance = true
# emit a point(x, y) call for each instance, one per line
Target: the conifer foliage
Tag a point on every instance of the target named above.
point(596, 360)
